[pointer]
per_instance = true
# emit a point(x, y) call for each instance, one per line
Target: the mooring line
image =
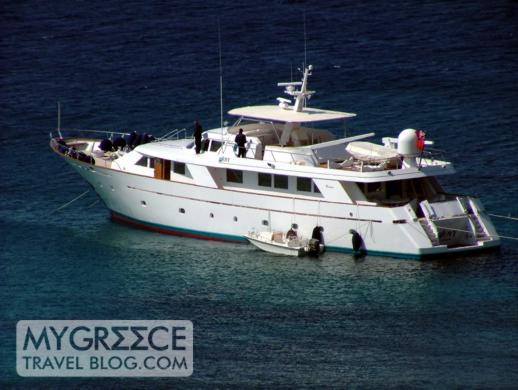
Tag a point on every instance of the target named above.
point(503, 216)
point(72, 201)
point(92, 204)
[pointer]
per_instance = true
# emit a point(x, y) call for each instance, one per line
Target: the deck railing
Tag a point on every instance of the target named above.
point(110, 134)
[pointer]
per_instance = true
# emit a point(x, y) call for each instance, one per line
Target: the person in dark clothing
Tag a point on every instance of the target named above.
point(241, 141)
point(197, 136)
point(318, 234)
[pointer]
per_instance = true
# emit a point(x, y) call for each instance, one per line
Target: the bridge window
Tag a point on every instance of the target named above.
point(146, 162)
point(215, 145)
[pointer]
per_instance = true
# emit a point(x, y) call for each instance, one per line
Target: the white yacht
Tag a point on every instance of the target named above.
point(384, 197)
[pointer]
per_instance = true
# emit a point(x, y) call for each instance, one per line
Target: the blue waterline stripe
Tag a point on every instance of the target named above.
point(174, 229)
point(338, 249)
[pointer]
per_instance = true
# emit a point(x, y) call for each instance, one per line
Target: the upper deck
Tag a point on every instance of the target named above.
point(281, 137)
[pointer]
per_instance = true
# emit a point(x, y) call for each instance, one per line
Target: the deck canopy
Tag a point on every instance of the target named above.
point(279, 114)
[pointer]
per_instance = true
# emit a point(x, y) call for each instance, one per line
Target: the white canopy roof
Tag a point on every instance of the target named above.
point(276, 113)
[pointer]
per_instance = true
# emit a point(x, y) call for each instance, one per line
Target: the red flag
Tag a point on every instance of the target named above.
point(420, 139)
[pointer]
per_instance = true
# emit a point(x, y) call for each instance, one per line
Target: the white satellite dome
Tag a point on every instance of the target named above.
point(407, 147)
point(407, 143)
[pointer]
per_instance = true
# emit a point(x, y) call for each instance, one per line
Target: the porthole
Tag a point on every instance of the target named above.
point(211, 215)
point(143, 203)
point(181, 210)
point(235, 219)
point(265, 222)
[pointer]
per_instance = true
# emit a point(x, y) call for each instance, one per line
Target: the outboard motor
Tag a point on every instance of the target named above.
point(314, 247)
point(318, 233)
point(318, 236)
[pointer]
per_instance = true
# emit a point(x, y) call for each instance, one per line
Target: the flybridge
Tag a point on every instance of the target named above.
point(291, 115)
point(296, 113)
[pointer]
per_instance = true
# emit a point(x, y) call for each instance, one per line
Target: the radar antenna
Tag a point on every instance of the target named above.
point(300, 95)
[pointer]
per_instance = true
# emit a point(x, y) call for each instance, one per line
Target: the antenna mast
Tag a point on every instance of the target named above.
point(220, 80)
point(305, 48)
point(59, 120)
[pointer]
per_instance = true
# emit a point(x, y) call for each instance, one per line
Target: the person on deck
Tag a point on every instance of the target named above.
point(197, 136)
point(241, 142)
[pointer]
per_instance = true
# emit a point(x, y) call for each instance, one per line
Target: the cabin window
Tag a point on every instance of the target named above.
point(146, 162)
point(304, 184)
point(215, 145)
point(142, 162)
point(315, 188)
point(264, 179)
point(179, 168)
point(280, 181)
point(234, 176)
point(400, 191)
point(394, 190)
point(374, 187)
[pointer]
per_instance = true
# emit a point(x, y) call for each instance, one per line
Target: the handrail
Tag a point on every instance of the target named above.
point(431, 154)
point(174, 134)
point(70, 151)
point(169, 135)
point(111, 132)
point(292, 153)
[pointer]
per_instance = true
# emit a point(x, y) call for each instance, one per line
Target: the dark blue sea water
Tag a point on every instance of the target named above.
point(449, 68)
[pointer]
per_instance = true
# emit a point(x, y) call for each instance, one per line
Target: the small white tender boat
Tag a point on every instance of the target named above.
point(278, 243)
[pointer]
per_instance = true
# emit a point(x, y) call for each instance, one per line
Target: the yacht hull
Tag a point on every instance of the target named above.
point(227, 215)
